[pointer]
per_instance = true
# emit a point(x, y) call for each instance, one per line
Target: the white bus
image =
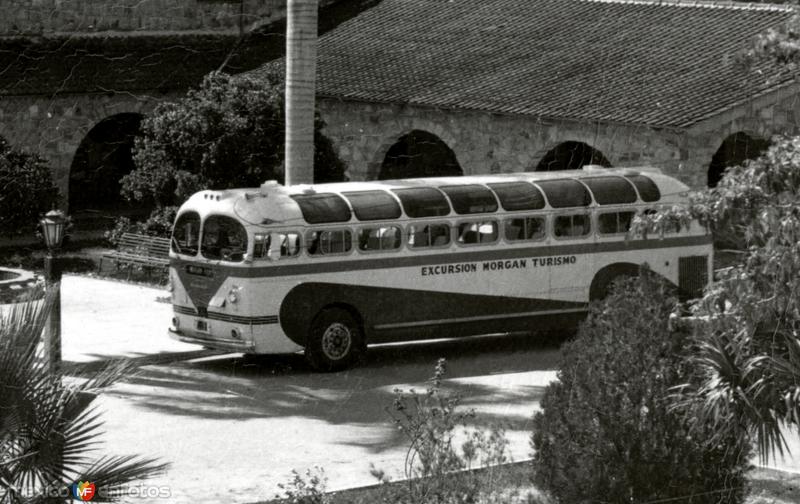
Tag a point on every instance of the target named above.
point(330, 268)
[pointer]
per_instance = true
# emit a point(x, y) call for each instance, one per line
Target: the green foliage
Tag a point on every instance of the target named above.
point(305, 489)
point(749, 354)
point(779, 45)
point(228, 133)
point(48, 427)
point(159, 223)
point(609, 431)
point(28, 190)
point(435, 470)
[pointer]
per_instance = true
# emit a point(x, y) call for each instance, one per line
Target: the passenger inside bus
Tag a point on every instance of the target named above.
point(223, 238)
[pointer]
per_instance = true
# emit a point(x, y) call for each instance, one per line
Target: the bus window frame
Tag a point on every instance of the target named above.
point(572, 212)
point(301, 245)
point(397, 225)
point(243, 228)
point(546, 228)
point(632, 210)
point(307, 242)
point(199, 238)
point(421, 222)
point(459, 223)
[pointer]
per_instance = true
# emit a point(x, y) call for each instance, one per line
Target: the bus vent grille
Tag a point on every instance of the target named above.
point(692, 276)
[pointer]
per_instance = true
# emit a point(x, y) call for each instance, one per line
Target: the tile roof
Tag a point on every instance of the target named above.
point(140, 61)
point(122, 62)
point(658, 63)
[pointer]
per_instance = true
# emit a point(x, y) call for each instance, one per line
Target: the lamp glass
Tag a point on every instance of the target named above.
point(53, 228)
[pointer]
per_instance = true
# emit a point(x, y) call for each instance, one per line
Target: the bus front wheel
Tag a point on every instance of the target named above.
point(335, 341)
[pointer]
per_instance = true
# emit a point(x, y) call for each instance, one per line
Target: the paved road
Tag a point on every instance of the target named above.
point(234, 429)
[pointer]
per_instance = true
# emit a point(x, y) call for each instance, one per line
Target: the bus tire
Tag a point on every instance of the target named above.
point(335, 340)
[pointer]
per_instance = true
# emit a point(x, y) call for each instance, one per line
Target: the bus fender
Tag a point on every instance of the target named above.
point(306, 300)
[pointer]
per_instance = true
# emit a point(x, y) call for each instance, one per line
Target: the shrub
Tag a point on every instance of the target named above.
point(159, 223)
point(609, 431)
point(434, 467)
point(305, 489)
point(28, 190)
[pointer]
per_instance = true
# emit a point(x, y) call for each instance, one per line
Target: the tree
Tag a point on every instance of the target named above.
point(749, 342)
point(28, 190)
point(227, 133)
point(48, 429)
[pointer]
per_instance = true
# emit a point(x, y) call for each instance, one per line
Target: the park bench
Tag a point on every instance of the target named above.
point(148, 252)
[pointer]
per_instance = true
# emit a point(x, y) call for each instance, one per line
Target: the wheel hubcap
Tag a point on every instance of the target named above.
point(336, 341)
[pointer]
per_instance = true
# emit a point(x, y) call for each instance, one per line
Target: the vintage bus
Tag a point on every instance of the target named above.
point(330, 268)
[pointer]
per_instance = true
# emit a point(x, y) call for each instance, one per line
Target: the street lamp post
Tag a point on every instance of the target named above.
point(53, 224)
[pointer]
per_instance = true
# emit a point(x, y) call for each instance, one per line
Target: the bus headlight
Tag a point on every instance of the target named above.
point(233, 295)
point(176, 323)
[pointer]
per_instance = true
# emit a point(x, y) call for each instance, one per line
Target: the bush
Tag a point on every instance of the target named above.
point(609, 429)
point(158, 224)
point(28, 190)
point(434, 466)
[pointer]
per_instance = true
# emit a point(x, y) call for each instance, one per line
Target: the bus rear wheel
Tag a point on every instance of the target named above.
point(335, 341)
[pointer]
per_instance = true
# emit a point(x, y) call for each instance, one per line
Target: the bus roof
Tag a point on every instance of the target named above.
point(273, 203)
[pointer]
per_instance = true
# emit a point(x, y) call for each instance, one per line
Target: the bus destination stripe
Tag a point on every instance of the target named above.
point(352, 263)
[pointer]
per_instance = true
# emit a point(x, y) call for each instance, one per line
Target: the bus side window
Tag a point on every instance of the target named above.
point(571, 226)
point(477, 232)
point(289, 244)
point(614, 222)
point(430, 235)
point(379, 238)
point(524, 228)
point(335, 241)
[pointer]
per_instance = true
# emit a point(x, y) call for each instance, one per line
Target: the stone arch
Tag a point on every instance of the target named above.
point(571, 155)
point(102, 158)
point(734, 151)
point(418, 153)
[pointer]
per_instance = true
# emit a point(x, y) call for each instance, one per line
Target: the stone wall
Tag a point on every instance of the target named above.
point(26, 17)
point(493, 143)
point(489, 143)
point(54, 128)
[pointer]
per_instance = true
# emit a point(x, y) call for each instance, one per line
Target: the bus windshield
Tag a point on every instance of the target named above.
point(186, 234)
point(223, 238)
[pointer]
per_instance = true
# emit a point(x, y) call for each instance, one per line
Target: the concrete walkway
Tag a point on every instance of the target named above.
point(104, 319)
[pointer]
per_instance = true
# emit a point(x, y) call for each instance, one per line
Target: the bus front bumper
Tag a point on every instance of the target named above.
point(234, 345)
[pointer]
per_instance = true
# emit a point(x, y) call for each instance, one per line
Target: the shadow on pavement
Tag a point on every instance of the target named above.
point(241, 388)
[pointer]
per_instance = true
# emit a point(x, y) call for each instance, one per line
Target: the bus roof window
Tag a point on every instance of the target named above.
point(648, 190)
point(563, 193)
point(469, 199)
point(423, 202)
point(373, 205)
point(611, 190)
point(518, 196)
point(323, 207)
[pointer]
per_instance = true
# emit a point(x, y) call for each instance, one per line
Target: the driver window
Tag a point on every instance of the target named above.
point(223, 239)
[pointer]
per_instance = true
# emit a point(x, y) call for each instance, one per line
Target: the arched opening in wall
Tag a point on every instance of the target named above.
point(734, 151)
point(419, 154)
point(571, 156)
point(102, 159)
